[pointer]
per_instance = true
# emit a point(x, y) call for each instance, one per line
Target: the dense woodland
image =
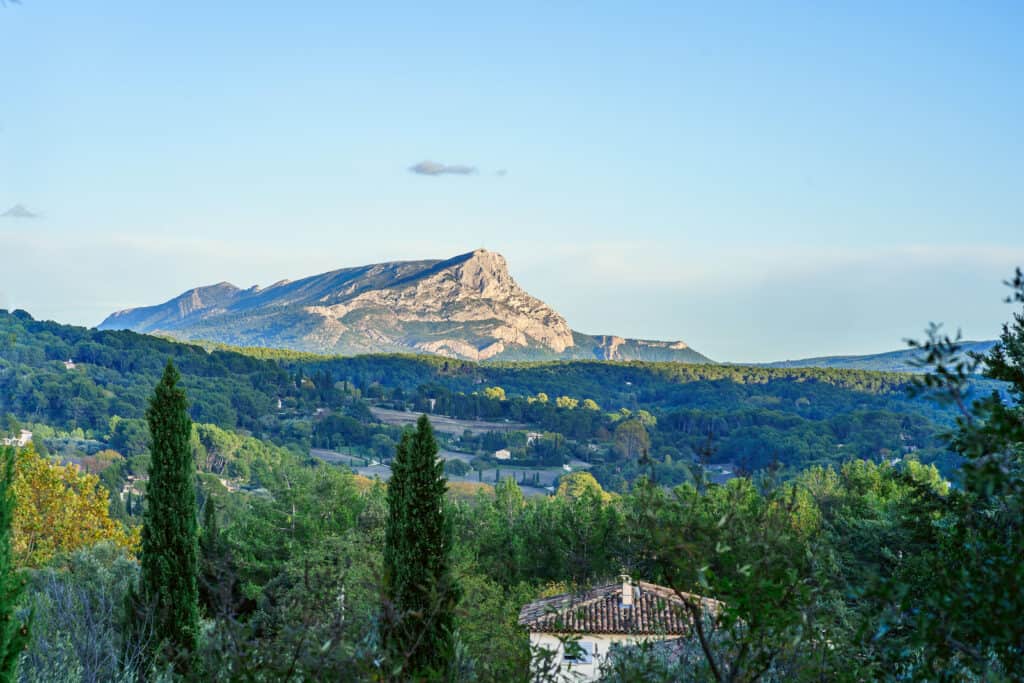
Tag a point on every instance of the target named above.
point(842, 553)
point(690, 415)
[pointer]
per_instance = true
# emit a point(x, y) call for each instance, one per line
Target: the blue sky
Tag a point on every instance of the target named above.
point(762, 180)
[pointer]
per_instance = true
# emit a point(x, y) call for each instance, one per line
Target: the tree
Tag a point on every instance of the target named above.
point(977, 529)
point(212, 560)
point(419, 589)
point(60, 509)
point(169, 534)
point(456, 467)
point(631, 440)
point(494, 393)
point(753, 552)
point(13, 635)
point(646, 419)
point(578, 484)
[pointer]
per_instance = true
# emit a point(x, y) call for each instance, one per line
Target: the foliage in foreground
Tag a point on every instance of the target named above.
point(868, 571)
point(964, 612)
point(13, 631)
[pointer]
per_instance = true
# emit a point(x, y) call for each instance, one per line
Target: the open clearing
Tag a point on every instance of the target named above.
point(547, 475)
point(448, 425)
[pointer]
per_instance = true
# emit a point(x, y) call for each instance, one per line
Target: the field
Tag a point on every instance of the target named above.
point(447, 425)
point(547, 475)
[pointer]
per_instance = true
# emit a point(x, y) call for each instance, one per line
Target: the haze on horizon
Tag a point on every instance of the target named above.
point(763, 183)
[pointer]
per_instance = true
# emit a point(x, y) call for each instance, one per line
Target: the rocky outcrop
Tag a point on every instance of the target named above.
point(468, 307)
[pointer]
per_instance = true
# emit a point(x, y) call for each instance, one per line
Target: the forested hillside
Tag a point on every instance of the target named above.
point(616, 416)
point(831, 561)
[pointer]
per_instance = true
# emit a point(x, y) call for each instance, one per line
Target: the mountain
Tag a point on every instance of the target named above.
point(466, 307)
point(890, 361)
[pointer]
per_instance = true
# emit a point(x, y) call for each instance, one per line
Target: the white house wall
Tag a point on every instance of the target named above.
point(602, 643)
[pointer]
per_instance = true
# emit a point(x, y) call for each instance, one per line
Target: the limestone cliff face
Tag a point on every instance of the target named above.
point(468, 307)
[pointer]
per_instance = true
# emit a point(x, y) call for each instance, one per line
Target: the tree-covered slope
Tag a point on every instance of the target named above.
point(749, 416)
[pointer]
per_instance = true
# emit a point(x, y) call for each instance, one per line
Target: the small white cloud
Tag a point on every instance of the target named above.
point(18, 211)
point(435, 168)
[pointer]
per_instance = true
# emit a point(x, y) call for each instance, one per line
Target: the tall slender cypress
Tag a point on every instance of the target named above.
point(418, 582)
point(13, 634)
point(169, 532)
point(212, 561)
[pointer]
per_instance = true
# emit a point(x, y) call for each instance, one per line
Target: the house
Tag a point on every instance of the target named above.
point(503, 454)
point(624, 612)
point(69, 364)
point(19, 441)
point(134, 485)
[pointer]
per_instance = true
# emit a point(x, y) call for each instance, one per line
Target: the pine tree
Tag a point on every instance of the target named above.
point(418, 585)
point(169, 532)
point(13, 635)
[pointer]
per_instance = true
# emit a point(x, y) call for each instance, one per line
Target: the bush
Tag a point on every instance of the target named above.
point(77, 607)
point(456, 468)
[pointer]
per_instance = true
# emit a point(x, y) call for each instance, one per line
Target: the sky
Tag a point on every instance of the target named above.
point(765, 181)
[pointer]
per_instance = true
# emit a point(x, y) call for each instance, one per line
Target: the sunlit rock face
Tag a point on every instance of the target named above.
point(466, 307)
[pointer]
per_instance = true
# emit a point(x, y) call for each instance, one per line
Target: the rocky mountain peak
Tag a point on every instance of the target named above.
point(484, 273)
point(468, 306)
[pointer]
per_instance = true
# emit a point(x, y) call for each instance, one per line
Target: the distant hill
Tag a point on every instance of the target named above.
point(890, 361)
point(466, 307)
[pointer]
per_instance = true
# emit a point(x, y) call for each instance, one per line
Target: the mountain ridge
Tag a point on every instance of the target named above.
point(468, 306)
point(901, 360)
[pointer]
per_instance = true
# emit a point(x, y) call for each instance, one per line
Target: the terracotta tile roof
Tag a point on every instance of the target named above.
point(656, 611)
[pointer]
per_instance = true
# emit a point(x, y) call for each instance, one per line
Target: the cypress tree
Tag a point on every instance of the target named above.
point(13, 635)
point(169, 532)
point(214, 563)
point(418, 585)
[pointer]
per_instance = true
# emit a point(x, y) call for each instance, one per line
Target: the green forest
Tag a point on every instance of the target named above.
point(681, 417)
point(871, 531)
